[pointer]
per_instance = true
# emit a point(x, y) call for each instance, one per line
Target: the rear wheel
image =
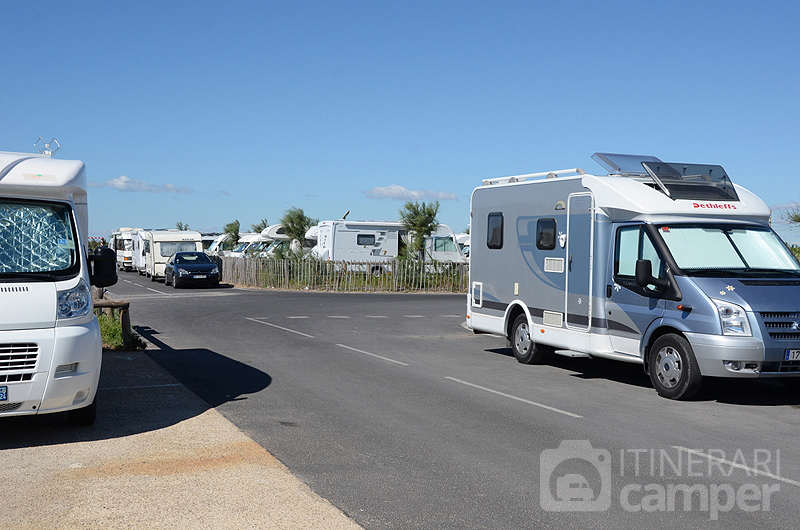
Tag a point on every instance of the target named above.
point(673, 367)
point(525, 350)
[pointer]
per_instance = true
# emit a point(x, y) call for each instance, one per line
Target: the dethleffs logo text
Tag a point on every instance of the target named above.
point(714, 205)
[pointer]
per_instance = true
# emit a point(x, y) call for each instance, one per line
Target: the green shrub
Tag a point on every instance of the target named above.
point(111, 331)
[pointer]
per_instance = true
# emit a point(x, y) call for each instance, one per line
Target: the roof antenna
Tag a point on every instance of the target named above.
point(345, 215)
point(44, 147)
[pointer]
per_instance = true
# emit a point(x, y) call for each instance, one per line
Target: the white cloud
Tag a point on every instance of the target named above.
point(399, 193)
point(123, 183)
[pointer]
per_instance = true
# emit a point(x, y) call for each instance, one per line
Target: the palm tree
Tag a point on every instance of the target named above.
point(419, 220)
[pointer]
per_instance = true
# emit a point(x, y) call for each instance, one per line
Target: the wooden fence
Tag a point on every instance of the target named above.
point(389, 276)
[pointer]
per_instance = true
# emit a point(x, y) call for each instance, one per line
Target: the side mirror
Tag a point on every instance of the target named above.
point(644, 276)
point(103, 267)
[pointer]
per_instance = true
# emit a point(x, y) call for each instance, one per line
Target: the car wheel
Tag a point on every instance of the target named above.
point(83, 416)
point(673, 368)
point(792, 384)
point(166, 280)
point(175, 283)
point(525, 350)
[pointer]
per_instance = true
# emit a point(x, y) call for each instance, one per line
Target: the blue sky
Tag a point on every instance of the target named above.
point(213, 111)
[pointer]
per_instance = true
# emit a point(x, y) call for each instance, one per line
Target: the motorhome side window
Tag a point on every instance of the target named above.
point(633, 244)
point(365, 239)
point(546, 234)
point(494, 233)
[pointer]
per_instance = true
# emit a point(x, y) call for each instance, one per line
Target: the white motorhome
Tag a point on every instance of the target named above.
point(668, 265)
point(50, 343)
point(138, 255)
point(443, 246)
point(361, 241)
point(221, 245)
point(121, 242)
point(249, 244)
point(159, 245)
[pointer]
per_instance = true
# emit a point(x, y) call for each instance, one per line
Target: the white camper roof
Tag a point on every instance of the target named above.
point(273, 232)
point(40, 176)
point(644, 187)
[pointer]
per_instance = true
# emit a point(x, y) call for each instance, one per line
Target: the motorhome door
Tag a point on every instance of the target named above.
point(580, 238)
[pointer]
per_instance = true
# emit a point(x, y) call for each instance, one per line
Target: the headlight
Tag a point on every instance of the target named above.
point(733, 318)
point(215, 270)
point(75, 302)
point(183, 272)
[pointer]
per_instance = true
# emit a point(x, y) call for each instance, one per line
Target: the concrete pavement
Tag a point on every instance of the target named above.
point(157, 457)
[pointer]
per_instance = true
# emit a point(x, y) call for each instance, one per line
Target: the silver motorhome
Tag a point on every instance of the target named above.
point(669, 265)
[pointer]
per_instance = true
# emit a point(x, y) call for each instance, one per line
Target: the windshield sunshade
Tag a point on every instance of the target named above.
point(710, 248)
point(36, 238)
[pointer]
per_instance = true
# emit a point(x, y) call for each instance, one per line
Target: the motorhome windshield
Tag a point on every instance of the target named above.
point(37, 240)
point(724, 250)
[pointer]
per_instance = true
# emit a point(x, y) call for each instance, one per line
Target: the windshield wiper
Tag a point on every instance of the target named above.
point(715, 272)
point(33, 276)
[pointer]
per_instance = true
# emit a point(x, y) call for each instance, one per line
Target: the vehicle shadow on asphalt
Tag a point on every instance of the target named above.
point(143, 391)
point(754, 392)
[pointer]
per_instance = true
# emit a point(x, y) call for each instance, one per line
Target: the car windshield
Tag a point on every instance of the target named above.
point(714, 249)
point(36, 237)
point(197, 257)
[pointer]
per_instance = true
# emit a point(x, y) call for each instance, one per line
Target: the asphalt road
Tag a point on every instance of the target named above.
point(389, 408)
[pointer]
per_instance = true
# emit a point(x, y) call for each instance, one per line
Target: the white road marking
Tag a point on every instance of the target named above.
point(282, 328)
point(737, 465)
point(373, 355)
point(377, 316)
point(414, 316)
point(529, 402)
point(138, 387)
point(299, 316)
point(155, 290)
point(338, 316)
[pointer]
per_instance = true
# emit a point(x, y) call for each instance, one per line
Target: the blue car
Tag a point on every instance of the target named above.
point(188, 268)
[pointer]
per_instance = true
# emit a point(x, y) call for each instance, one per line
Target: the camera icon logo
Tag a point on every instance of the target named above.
point(575, 477)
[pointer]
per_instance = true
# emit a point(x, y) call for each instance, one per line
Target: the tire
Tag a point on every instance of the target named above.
point(673, 368)
point(84, 416)
point(792, 384)
point(166, 280)
point(525, 350)
point(175, 283)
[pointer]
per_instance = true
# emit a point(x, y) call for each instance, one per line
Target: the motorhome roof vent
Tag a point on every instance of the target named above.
point(677, 180)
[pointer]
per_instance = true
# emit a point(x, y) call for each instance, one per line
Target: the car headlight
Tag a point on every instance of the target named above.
point(215, 270)
point(75, 302)
point(733, 318)
point(183, 272)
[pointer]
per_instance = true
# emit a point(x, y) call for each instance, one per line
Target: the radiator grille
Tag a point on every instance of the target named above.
point(782, 325)
point(18, 356)
point(8, 407)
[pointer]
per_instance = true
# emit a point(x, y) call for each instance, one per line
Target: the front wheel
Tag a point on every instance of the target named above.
point(83, 416)
point(673, 368)
point(525, 350)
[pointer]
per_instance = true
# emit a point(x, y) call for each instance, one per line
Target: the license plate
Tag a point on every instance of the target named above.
point(792, 355)
point(199, 276)
point(3, 393)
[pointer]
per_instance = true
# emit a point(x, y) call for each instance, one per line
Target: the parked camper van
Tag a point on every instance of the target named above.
point(138, 255)
point(669, 265)
point(366, 241)
point(221, 246)
point(443, 246)
point(159, 245)
point(50, 344)
point(121, 242)
point(249, 244)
